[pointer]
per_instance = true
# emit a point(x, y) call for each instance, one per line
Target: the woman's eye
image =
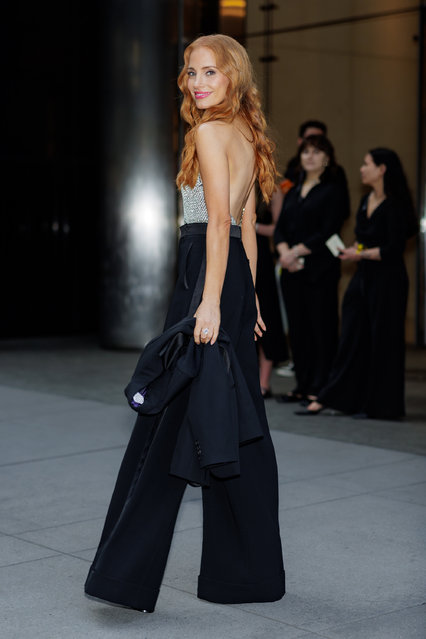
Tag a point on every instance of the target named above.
point(191, 74)
point(210, 72)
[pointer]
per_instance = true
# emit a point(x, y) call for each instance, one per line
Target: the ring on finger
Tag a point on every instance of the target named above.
point(205, 331)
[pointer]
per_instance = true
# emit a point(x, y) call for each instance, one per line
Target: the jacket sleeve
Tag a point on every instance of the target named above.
point(394, 244)
point(334, 213)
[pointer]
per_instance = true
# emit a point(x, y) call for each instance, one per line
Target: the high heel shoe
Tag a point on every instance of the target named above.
point(266, 393)
point(116, 605)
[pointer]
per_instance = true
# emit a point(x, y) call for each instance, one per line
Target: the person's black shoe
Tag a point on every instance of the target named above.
point(266, 393)
point(116, 605)
point(288, 398)
point(306, 411)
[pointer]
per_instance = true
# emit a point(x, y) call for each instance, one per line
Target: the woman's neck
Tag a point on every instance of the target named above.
point(312, 176)
point(378, 191)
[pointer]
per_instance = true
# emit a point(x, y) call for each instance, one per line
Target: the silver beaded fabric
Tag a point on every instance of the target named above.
point(194, 204)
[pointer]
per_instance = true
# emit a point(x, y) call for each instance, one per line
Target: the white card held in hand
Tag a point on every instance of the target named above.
point(335, 244)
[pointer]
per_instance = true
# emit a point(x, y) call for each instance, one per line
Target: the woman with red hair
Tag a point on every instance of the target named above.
point(226, 151)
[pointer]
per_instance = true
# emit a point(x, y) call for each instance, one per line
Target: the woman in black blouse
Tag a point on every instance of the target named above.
point(367, 379)
point(312, 212)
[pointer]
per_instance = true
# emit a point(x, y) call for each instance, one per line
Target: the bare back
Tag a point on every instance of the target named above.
point(241, 166)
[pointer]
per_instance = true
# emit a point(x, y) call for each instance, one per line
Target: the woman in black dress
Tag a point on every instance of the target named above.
point(312, 212)
point(226, 148)
point(367, 379)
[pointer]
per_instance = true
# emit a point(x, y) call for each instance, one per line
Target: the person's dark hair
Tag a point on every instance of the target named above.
point(395, 185)
point(321, 143)
point(312, 124)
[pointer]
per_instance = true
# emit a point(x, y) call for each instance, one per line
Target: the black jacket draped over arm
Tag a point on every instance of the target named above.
point(220, 414)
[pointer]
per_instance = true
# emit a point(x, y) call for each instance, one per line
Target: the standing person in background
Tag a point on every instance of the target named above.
point(291, 178)
point(367, 379)
point(312, 211)
point(272, 346)
point(306, 129)
point(292, 173)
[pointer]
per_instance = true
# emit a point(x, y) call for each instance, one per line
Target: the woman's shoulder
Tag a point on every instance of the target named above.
point(212, 138)
point(213, 129)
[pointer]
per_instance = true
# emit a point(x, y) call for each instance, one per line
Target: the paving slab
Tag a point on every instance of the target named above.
point(16, 401)
point(304, 492)
point(183, 566)
point(57, 491)
point(414, 493)
point(15, 551)
point(301, 457)
point(409, 623)
point(351, 558)
point(73, 429)
point(44, 600)
point(67, 538)
point(397, 474)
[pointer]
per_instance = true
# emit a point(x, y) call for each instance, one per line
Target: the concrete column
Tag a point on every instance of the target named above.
point(421, 261)
point(138, 225)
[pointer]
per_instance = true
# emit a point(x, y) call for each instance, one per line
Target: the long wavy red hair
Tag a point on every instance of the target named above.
point(242, 99)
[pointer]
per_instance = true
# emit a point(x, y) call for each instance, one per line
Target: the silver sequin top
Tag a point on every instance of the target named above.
point(194, 204)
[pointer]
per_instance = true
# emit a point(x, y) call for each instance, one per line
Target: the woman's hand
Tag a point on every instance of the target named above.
point(350, 254)
point(287, 258)
point(260, 324)
point(295, 266)
point(208, 323)
point(290, 258)
point(301, 250)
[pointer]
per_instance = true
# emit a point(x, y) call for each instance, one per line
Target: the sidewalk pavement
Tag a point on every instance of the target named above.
point(352, 521)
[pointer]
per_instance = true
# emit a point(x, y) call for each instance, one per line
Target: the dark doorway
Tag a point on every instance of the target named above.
point(50, 160)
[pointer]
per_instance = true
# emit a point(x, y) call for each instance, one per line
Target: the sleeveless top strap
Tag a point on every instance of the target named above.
point(247, 195)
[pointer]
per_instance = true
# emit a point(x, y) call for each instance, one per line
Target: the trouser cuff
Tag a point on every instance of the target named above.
point(216, 591)
point(120, 592)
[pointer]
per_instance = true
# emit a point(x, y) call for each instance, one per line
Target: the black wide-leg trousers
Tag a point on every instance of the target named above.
point(241, 556)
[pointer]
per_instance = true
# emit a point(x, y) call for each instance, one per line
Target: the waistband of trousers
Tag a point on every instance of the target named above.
point(200, 228)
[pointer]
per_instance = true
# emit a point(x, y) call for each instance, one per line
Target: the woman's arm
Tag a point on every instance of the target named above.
point(287, 257)
point(248, 237)
point(276, 204)
point(211, 144)
point(355, 254)
point(267, 230)
point(248, 233)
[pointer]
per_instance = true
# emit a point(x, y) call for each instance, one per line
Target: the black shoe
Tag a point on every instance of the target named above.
point(288, 398)
point(266, 393)
point(115, 605)
point(309, 412)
